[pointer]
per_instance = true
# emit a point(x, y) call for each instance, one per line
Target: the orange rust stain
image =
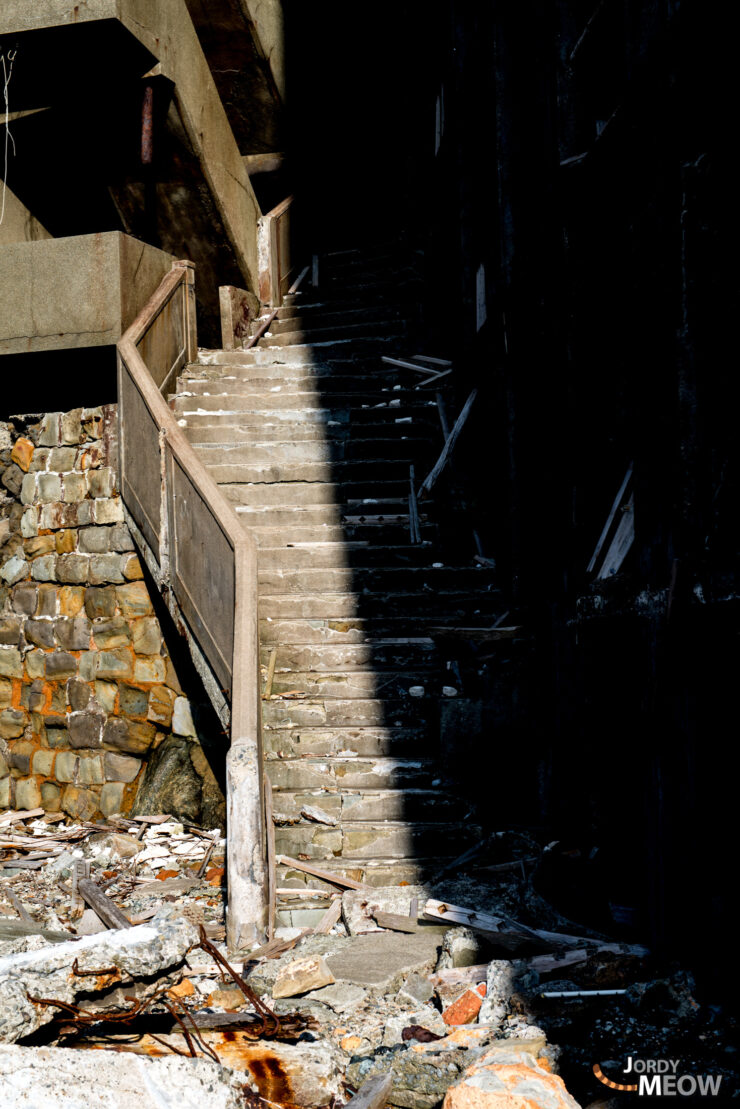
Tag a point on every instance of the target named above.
point(272, 1081)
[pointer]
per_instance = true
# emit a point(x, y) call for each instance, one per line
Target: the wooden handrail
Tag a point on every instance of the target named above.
point(190, 500)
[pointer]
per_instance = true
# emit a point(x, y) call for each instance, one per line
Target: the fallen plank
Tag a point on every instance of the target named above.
point(434, 378)
point(108, 912)
point(404, 365)
point(431, 478)
point(275, 947)
point(330, 917)
point(501, 926)
point(434, 361)
point(324, 875)
point(395, 922)
point(372, 1094)
point(547, 964)
point(482, 635)
point(20, 814)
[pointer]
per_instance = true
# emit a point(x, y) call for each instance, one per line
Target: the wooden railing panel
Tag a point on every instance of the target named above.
point(202, 569)
point(141, 480)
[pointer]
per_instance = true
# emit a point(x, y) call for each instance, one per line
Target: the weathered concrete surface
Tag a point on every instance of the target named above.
point(74, 292)
point(245, 51)
point(379, 963)
point(137, 953)
point(19, 225)
point(65, 1078)
point(508, 1079)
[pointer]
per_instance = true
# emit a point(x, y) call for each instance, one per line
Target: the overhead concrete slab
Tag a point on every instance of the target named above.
point(84, 291)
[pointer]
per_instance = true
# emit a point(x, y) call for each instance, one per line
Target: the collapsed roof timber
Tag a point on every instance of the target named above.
point(367, 524)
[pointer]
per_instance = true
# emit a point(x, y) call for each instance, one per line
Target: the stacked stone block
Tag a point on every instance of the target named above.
point(87, 688)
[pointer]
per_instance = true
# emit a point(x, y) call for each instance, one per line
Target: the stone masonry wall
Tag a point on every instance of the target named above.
point(89, 696)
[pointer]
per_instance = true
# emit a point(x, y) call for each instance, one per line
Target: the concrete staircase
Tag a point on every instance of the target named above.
point(311, 436)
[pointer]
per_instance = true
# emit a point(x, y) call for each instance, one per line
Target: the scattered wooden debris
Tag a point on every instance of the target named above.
point(503, 928)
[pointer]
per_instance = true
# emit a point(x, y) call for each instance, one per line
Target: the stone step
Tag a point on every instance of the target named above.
point(355, 684)
point(350, 773)
point(392, 579)
point(296, 380)
point(264, 354)
point(369, 840)
point(355, 744)
point(379, 655)
point(349, 806)
point(306, 405)
point(391, 495)
point(329, 432)
point(288, 452)
point(337, 332)
point(364, 473)
point(375, 536)
point(294, 317)
point(349, 712)
point(359, 628)
point(361, 554)
point(243, 412)
point(419, 609)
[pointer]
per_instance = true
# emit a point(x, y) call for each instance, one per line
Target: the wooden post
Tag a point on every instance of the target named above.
point(246, 919)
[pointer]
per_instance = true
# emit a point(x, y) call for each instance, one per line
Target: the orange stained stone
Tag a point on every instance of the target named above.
point(22, 453)
point(182, 989)
point(167, 874)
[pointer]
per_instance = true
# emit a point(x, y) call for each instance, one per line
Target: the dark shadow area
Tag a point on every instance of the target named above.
point(57, 380)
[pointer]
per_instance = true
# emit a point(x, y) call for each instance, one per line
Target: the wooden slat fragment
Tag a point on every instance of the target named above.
point(330, 917)
point(325, 875)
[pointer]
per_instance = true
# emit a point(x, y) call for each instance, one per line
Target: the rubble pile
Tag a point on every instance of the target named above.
point(111, 938)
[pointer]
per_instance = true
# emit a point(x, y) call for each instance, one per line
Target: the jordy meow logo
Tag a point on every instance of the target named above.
point(660, 1078)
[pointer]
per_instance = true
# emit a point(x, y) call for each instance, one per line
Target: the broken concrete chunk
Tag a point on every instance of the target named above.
point(358, 906)
point(461, 948)
point(302, 975)
point(508, 1078)
point(63, 1078)
point(340, 996)
point(141, 952)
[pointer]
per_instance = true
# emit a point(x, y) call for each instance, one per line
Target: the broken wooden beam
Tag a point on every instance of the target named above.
point(101, 904)
point(431, 478)
point(330, 917)
point(324, 875)
point(395, 922)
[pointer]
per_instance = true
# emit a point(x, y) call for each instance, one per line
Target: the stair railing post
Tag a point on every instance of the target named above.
point(190, 320)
